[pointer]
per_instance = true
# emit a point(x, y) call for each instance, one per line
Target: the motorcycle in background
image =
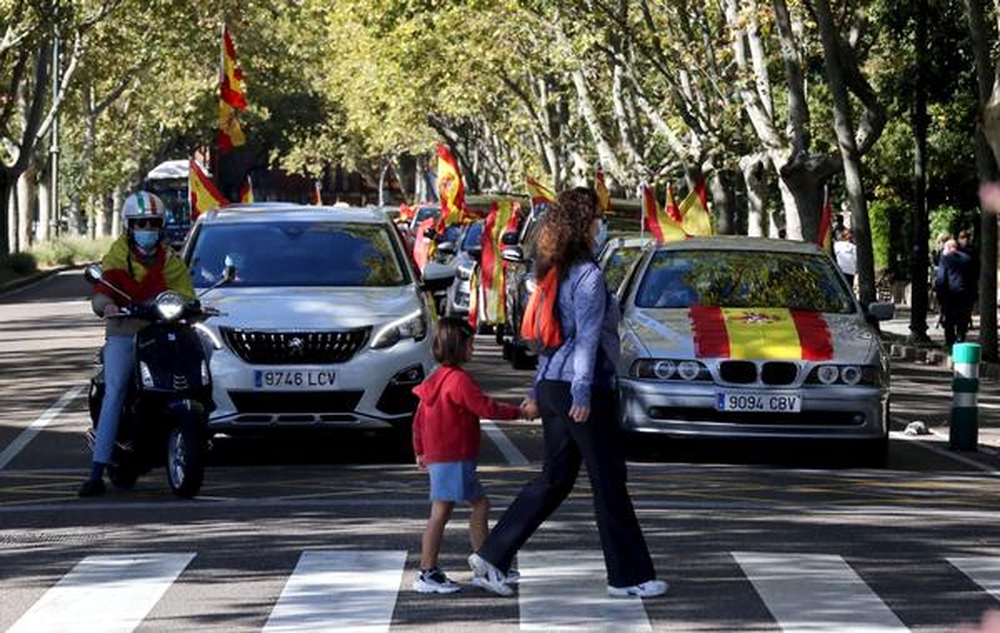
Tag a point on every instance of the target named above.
point(164, 420)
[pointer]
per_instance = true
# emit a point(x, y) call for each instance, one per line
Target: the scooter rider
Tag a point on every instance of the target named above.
point(142, 265)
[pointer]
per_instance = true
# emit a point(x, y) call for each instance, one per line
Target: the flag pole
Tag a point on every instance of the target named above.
point(642, 209)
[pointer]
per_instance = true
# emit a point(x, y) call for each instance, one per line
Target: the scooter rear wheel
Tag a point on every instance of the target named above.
point(186, 459)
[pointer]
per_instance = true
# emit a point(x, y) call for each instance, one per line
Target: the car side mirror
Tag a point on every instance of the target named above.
point(881, 310)
point(513, 254)
point(437, 277)
point(509, 238)
point(93, 273)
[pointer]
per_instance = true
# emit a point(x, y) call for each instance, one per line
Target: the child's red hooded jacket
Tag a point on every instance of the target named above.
point(446, 425)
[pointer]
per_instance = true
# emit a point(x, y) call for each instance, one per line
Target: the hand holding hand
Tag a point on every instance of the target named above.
point(579, 413)
point(529, 410)
point(421, 464)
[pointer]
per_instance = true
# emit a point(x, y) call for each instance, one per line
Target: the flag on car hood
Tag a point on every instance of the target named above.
point(760, 334)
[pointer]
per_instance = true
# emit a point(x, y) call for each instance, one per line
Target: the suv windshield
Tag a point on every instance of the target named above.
point(743, 279)
point(297, 254)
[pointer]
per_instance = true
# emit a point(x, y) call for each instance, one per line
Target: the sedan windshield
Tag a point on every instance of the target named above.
point(743, 279)
point(297, 254)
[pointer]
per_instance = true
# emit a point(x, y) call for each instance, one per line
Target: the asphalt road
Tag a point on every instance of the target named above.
point(324, 534)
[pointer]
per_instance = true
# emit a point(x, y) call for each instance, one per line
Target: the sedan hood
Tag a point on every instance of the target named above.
point(311, 308)
point(670, 333)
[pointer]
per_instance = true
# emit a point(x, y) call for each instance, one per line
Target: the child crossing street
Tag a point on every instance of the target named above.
point(446, 444)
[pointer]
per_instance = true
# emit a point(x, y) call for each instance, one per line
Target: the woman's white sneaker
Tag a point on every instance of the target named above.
point(486, 576)
point(648, 589)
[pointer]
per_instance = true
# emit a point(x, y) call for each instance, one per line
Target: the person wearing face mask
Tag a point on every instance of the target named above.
point(142, 265)
point(575, 392)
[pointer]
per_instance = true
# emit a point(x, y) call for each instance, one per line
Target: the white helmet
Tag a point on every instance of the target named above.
point(142, 204)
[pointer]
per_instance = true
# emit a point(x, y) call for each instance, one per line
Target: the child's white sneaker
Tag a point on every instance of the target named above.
point(434, 580)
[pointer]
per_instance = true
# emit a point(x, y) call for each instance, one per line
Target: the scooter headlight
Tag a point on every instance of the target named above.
point(170, 305)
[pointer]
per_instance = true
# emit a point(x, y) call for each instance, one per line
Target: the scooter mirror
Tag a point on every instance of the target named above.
point(229, 273)
point(93, 273)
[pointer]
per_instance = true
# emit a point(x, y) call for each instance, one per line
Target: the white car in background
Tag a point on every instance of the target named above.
point(326, 324)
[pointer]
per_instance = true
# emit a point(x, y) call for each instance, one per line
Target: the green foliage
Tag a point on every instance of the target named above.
point(950, 220)
point(883, 215)
point(70, 251)
point(19, 263)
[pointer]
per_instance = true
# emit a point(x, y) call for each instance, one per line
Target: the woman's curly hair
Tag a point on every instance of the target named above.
point(564, 231)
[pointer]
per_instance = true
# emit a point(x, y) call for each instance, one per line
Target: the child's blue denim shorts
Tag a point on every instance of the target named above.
point(455, 481)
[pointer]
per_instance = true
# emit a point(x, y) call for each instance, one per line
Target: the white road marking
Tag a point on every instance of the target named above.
point(36, 427)
point(983, 570)
point(333, 590)
point(816, 592)
point(104, 593)
point(567, 590)
point(513, 456)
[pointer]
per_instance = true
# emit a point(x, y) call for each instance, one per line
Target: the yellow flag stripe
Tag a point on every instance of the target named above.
point(762, 333)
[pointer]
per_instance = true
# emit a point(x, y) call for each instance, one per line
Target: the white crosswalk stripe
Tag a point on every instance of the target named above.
point(339, 591)
point(983, 570)
point(109, 594)
point(816, 592)
point(566, 590)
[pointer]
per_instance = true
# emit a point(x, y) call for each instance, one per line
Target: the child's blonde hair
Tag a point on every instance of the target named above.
point(451, 341)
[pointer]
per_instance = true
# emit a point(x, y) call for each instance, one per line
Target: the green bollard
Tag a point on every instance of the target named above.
point(963, 432)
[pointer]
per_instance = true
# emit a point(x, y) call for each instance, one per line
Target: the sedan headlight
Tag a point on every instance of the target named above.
point(866, 375)
point(670, 369)
point(413, 325)
point(170, 305)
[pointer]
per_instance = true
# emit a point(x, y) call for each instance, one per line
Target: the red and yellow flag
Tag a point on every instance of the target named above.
point(406, 212)
point(202, 192)
point(246, 191)
point(760, 334)
point(316, 197)
point(540, 194)
point(603, 195)
point(232, 96)
point(656, 220)
point(695, 218)
point(824, 232)
point(422, 245)
point(451, 191)
point(498, 221)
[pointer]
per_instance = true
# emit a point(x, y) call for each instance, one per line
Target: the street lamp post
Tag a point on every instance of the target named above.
point(54, 145)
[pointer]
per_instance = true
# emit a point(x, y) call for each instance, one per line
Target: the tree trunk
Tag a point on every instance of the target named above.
point(919, 256)
point(849, 152)
point(723, 202)
point(754, 169)
point(43, 233)
point(987, 138)
point(117, 200)
point(26, 196)
point(11, 197)
point(5, 241)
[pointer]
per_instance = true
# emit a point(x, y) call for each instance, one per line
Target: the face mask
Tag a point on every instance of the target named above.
point(146, 240)
point(601, 237)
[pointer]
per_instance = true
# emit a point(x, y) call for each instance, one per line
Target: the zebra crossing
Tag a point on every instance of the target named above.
point(359, 590)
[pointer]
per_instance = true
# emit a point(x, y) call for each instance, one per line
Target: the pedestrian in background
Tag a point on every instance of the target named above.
point(446, 444)
point(574, 390)
point(972, 278)
point(954, 296)
point(846, 253)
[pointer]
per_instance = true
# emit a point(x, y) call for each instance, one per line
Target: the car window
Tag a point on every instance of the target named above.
point(318, 253)
point(742, 279)
point(473, 236)
point(617, 264)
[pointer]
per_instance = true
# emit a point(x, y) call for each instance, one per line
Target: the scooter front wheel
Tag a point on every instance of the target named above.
point(186, 459)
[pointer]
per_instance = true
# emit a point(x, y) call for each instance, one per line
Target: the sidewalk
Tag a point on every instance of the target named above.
point(930, 365)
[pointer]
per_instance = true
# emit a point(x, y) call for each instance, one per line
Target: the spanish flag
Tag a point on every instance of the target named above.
point(451, 191)
point(498, 221)
point(232, 96)
point(760, 334)
point(603, 195)
point(406, 212)
point(541, 196)
point(824, 232)
point(246, 191)
point(656, 220)
point(423, 246)
point(695, 218)
point(202, 193)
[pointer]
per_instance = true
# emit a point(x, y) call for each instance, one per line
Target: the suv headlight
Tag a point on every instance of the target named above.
point(413, 325)
point(170, 305)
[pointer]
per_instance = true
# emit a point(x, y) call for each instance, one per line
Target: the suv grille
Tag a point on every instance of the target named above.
point(295, 348)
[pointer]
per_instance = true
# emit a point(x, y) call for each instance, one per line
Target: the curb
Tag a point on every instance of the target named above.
point(17, 284)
